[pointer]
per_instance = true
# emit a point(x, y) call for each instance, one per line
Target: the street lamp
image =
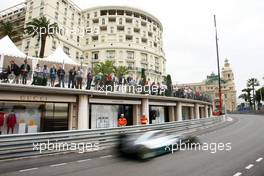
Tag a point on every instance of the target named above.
point(218, 66)
point(81, 58)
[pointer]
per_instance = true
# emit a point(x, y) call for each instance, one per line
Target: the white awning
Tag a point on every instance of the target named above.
point(8, 48)
point(58, 56)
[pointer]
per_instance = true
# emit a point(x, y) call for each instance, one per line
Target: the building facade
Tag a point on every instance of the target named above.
point(210, 86)
point(127, 36)
point(41, 109)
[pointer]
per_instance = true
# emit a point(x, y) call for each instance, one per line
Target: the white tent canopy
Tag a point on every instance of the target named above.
point(58, 56)
point(8, 48)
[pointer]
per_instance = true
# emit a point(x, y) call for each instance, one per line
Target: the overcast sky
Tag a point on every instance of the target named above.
point(189, 38)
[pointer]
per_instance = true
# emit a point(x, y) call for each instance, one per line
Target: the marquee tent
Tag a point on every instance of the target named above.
point(59, 56)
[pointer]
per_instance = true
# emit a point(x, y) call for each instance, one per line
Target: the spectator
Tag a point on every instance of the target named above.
point(121, 82)
point(97, 80)
point(45, 75)
point(159, 88)
point(72, 74)
point(79, 78)
point(36, 75)
point(53, 73)
point(89, 80)
point(61, 75)
point(24, 70)
point(4, 74)
point(14, 68)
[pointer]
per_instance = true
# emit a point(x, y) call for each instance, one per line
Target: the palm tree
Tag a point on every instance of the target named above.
point(41, 28)
point(247, 96)
point(252, 83)
point(260, 95)
point(105, 68)
point(7, 28)
point(120, 71)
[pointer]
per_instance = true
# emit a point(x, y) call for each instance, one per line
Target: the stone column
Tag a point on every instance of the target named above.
point(70, 120)
point(171, 113)
point(136, 115)
point(145, 107)
point(83, 113)
point(210, 111)
point(192, 112)
point(196, 111)
point(179, 111)
point(206, 111)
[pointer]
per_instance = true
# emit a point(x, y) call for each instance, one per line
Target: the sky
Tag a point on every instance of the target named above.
point(189, 35)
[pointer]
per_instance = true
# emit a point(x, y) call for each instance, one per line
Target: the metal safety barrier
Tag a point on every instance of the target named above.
point(21, 145)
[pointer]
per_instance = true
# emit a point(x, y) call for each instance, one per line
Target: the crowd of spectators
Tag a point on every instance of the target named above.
point(76, 78)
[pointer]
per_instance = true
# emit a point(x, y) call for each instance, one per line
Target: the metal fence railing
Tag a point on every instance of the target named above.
point(15, 146)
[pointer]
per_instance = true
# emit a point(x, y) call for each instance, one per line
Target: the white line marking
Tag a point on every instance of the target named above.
point(237, 174)
point(107, 156)
point(56, 165)
point(25, 170)
point(258, 160)
point(249, 166)
point(80, 161)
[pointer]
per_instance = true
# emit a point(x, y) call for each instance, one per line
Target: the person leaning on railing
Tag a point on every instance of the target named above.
point(61, 75)
point(37, 76)
point(79, 78)
point(53, 73)
point(14, 69)
point(45, 75)
point(89, 80)
point(24, 70)
point(72, 74)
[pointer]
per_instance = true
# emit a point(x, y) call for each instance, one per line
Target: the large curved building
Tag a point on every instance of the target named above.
point(127, 36)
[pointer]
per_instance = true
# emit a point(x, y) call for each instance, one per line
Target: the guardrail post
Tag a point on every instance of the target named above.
point(196, 111)
point(145, 107)
point(83, 114)
point(179, 111)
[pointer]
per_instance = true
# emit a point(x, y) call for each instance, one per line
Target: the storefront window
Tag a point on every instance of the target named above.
point(32, 117)
point(19, 118)
point(106, 116)
point(158, 114)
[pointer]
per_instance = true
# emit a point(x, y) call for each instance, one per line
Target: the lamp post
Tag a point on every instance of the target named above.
point(81, 58)
point(218, 67)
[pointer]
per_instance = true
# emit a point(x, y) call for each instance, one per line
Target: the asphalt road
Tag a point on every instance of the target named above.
point(246, 157)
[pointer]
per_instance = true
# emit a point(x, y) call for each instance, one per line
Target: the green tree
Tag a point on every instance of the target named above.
point(260, 95)
point(120, 71)
point(7, 28)
point(169, 85)
point(246, 95)
point(41, 28)
point(253, 83)
point(104, 68)
point(143, 76)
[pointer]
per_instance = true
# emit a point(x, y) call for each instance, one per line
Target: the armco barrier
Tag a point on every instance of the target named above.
point(15, 146)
